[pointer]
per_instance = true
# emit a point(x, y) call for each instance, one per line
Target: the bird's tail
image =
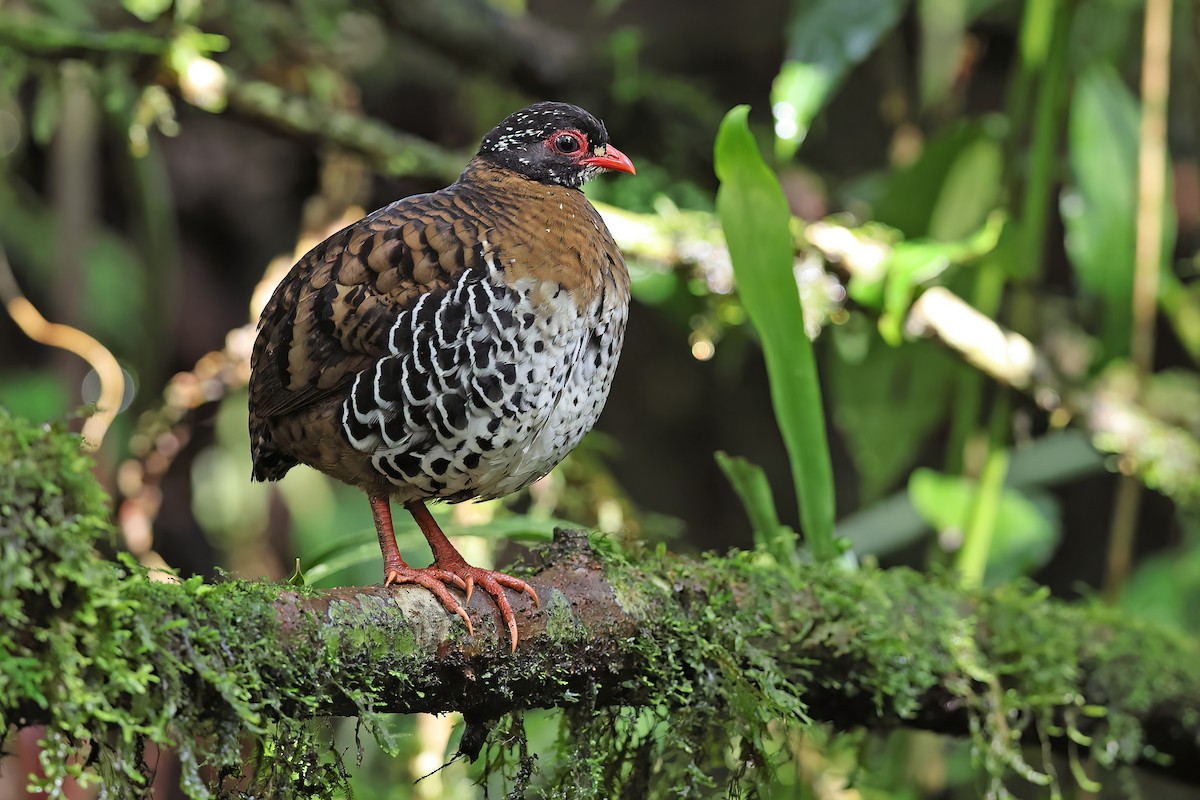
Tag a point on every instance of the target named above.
point(270, 463)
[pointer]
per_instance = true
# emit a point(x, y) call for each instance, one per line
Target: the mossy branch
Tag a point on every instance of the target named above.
point(98, 653)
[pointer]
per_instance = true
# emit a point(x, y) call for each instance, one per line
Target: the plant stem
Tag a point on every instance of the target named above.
point(1152, 159)
point(985, 505)
point(1043, 52)
point(1122, 535)
point(1148, 257)
point(1043, 156)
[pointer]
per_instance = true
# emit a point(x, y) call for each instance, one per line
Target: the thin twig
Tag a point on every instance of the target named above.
point(392, 151)
point(64, 337)
point(163, 433)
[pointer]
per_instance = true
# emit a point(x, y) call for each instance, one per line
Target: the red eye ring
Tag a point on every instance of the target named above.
point(568, 143)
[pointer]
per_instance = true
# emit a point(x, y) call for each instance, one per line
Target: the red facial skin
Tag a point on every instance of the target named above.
point(612, 159)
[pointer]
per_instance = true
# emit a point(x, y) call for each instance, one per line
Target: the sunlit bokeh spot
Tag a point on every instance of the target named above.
point(91, 389)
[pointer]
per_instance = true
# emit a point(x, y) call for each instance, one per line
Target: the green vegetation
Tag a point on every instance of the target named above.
point(976, 221)
point(756, 220)
point(111, 660)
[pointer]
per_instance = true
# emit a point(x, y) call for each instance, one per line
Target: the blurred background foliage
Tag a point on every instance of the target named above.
point(162, 162)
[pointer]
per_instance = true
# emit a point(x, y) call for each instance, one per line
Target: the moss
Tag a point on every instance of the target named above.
point(113, 660)
point(731, 671)
point(561, 624)
point(733, 657)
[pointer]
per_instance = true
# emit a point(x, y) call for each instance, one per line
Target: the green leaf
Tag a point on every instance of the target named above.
point(950, 189)
point(825, 39)
point(913, 263)
point(146, 10)
point(754, 214)
point(1166, 588)
point(969, 192)
point(750, 483)
point(1027, 526)
point(893, 523)
point(886, 401)
point(1099, 211)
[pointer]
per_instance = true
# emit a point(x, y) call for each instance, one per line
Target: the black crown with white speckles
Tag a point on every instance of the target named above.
point(518, 143)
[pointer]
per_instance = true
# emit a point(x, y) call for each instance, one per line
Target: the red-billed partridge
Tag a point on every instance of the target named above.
point(453, 345)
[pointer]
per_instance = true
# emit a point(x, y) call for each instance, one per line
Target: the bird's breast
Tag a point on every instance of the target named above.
point(489, 383)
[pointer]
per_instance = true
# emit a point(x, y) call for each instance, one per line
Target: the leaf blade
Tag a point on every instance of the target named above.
point(755, 217)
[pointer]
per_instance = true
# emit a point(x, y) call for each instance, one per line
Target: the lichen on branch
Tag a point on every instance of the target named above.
point(675, 667)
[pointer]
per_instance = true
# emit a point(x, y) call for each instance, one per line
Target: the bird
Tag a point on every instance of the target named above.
point(451, 346)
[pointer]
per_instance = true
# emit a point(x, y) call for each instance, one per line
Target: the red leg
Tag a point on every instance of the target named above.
point(447, 558)
point(395, 570)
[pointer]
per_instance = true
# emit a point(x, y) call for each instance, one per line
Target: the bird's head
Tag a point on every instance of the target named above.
point(555, 143)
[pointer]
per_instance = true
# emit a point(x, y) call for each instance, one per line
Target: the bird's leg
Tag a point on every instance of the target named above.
point(447, 558)
point(396, 570)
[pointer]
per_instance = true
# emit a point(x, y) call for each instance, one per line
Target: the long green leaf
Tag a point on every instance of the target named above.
point(1100, 210)
point(949, 190)
point(1099, 214)
point(754, 214)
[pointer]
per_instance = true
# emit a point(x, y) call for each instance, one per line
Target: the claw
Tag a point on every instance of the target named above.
point(518, 585)
point(443, 575)
point(462, 612)
point(446, 559)
point(432, 579)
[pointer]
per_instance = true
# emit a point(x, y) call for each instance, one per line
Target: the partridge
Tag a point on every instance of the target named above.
point(451, 346)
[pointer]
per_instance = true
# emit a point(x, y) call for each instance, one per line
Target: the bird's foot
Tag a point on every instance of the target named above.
point(435, 580)
point(494, 584)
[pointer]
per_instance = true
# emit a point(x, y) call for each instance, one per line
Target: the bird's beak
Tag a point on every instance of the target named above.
point(612, 159)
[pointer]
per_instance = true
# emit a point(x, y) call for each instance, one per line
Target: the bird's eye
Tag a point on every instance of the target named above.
point(566, 143)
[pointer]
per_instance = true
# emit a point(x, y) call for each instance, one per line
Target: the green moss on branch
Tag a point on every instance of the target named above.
point(676, 667)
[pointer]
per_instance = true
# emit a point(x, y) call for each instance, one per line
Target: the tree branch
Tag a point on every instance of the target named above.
point(391, 151)
point(98, 653)
point(889, 658)
point(873, 649)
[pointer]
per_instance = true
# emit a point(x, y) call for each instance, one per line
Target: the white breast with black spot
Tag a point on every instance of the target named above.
point(488, 386)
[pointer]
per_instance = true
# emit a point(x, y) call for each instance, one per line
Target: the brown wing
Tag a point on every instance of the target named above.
point(331, 315)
